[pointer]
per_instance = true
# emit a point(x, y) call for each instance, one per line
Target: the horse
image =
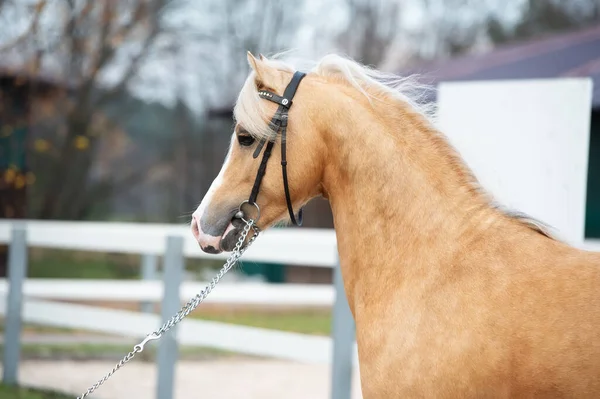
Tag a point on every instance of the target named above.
point(453, 296)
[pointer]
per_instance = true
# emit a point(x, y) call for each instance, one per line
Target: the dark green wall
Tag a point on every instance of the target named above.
point(592, 222)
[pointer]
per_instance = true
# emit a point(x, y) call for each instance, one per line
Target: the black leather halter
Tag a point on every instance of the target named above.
point(278, 123)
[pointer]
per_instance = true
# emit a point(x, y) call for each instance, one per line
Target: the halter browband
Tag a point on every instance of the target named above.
point(278, 123)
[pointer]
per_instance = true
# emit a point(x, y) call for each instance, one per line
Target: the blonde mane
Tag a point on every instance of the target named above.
point(375, 85)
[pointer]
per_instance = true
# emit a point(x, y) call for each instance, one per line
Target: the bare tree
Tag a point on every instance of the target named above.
point(545, 16)
point(32, 28)
point(372, 27)
point(83, 45)
point(452, 27)
point(259, 26)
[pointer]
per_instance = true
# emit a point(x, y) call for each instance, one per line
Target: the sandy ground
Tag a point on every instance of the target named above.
point(218, 379)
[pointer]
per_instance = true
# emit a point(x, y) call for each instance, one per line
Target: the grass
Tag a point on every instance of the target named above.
point(51, 263)
point(80, 351)
point(316, 322)
point(8, 392)
point(55, 263)
point(304, 321)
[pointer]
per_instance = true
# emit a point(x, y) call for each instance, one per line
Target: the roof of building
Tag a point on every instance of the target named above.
point(572, 54)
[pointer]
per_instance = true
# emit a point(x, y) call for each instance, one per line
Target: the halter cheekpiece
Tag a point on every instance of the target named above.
point(278, 124)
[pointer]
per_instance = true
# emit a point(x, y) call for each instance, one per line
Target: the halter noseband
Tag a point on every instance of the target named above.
point(278, 123)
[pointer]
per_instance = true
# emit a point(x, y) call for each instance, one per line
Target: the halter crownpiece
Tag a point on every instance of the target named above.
point(278, 123)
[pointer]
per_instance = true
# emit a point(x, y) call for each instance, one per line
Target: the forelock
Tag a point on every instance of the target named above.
point(252, 111)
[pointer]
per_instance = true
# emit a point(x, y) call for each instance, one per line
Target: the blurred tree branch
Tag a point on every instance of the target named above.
point(38, 9)
point(103, 189)
point(450, 35)
point(544, 16)
point(371, 31)
point(92, 38)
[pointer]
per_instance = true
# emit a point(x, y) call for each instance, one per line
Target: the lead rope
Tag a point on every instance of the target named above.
point(188, 308)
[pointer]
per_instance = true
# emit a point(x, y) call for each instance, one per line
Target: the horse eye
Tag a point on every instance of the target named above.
point(245, 140)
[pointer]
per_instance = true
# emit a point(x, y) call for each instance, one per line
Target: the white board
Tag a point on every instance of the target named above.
point(527, 141)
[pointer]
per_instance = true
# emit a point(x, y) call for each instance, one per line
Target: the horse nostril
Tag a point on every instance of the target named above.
point(195, 228)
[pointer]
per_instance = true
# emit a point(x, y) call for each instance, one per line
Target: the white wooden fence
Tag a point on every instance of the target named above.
point(135, 325)
point(305, 246)
point(27, 300)
point(247, 293)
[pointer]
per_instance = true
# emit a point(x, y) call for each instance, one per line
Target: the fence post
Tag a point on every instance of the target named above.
point(17, 271)
point(149, 267)
point(167, 348)
point(343, 334)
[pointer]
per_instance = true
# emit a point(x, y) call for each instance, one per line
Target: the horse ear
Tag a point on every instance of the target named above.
point(252, 61)
point(265, 74)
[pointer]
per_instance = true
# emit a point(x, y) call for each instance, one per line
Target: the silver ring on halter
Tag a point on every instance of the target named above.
point(240, 213)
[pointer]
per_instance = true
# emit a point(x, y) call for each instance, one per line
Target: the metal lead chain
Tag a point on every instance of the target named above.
point(188, 308)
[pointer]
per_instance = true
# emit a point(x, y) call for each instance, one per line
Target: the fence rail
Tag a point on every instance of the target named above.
point(249, 293)
point(135, 325)
point(291, 246)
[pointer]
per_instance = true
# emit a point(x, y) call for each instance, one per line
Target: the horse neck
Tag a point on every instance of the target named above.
point(400, 197)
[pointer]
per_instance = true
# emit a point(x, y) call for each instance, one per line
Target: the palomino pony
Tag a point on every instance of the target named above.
point(452, 297)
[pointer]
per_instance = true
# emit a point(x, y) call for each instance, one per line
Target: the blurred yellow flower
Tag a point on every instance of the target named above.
point(41, 145)
point(19, 182)
point(82, 142)
point(9, 175)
